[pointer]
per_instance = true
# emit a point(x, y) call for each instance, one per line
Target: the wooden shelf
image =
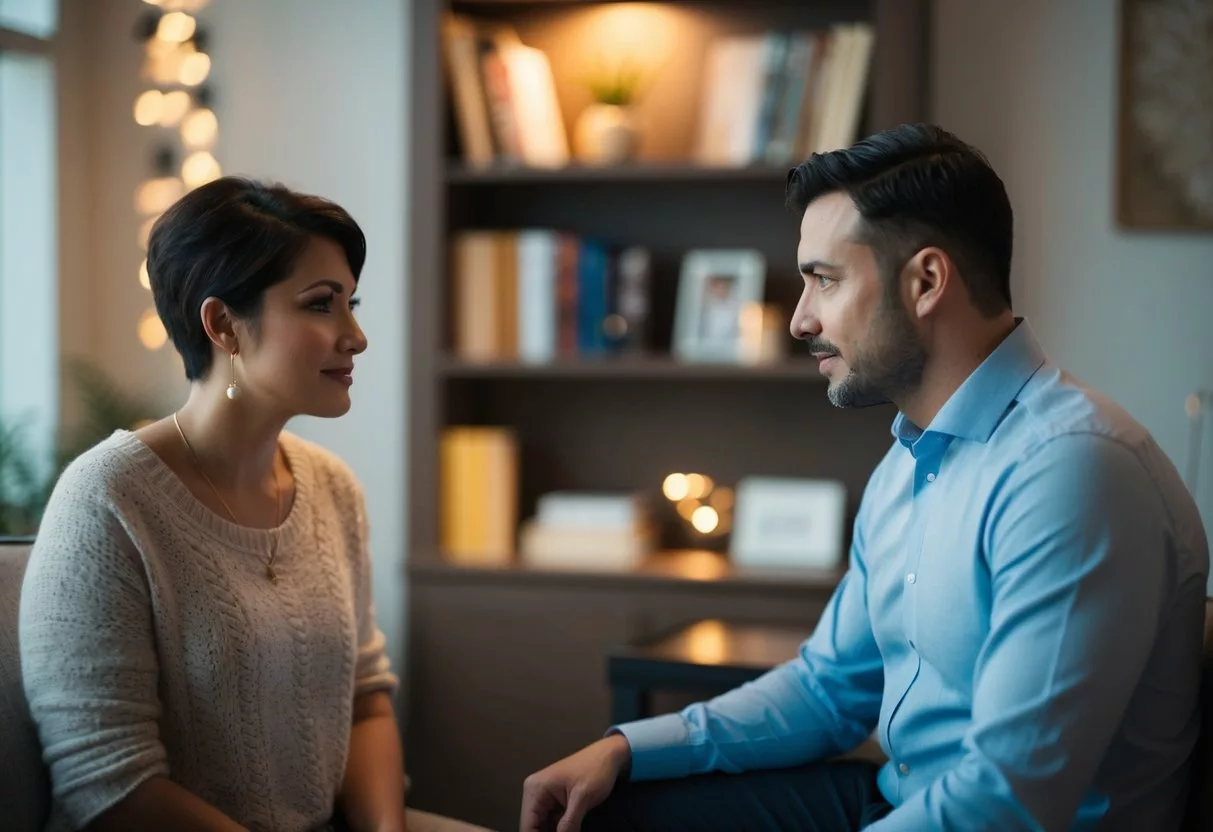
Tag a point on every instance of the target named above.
point(688, 568)
point(661, 368)
point(459, 174)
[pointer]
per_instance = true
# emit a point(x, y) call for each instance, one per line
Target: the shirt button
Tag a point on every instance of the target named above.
point(930, 478)
point(903, 768)
point(911, 578)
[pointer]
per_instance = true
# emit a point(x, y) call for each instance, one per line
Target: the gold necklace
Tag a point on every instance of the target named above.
point(269, 564)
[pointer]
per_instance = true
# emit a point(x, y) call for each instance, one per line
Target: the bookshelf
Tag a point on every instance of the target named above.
point(506, 663)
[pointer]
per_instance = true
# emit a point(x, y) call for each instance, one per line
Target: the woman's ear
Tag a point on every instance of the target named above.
point(220, 325)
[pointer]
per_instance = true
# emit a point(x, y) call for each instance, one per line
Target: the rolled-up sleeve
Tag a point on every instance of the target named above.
point(825, 701)
point(1080, 553)
point(88, 659)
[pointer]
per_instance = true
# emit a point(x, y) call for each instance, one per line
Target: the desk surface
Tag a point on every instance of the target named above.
point(715, 643)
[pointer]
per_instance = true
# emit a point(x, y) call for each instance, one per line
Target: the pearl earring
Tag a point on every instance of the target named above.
point(233, 390)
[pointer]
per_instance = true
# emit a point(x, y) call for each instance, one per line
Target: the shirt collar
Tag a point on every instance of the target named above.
point(978, 405)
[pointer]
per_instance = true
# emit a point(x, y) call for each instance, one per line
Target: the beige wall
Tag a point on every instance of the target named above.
point(1033, 84)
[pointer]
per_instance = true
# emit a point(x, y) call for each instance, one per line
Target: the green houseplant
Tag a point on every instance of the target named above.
point(606, 132)
point(25, 485)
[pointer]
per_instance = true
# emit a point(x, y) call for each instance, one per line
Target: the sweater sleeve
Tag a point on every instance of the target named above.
point(88, 653)
point(373, 670)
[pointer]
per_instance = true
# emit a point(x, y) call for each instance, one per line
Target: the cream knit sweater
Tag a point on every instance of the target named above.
point(152, 642)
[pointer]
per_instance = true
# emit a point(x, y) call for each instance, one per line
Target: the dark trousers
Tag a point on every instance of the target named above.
point(823, 797)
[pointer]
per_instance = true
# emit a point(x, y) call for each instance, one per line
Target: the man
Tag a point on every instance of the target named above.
point(1021, 619)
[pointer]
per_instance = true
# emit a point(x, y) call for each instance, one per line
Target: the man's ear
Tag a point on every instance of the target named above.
point(220, 325)
point(927, 276)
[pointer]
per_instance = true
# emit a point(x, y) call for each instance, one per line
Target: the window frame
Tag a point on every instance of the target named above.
point(13, 41)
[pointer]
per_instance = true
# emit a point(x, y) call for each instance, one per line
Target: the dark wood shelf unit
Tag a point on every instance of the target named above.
point(506, 665)
point(658, 368)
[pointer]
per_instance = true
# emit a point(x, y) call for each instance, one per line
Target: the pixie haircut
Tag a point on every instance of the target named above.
point(918, 185)
point(233, 239)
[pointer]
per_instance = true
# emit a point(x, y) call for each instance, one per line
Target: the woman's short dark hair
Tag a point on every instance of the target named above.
point(918, 185)
point(232, 239)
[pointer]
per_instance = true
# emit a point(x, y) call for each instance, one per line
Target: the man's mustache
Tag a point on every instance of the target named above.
point(822, 347)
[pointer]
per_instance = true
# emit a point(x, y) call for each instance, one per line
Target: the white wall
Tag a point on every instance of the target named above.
point(311, 94)
point(1033, 84)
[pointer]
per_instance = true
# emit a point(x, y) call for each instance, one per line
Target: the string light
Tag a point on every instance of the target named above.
point(199, 129)
point(175, 56)
point(151, 331)
point(199, 168)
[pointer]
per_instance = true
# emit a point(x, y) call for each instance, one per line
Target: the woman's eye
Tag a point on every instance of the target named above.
point(322, 304)
point(355, 303)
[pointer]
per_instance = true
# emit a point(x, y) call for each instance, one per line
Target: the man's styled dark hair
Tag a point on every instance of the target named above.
point(232, 239)
point(918, 185)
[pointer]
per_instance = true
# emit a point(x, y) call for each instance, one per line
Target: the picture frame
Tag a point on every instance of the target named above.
point(790, 523)
point(716, 288)
point(1164, 156)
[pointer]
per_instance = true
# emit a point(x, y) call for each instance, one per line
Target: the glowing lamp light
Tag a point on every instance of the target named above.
point(148, 107)
point(151, 331)
point(144, 279)
point(176, 105)
point(156, 195)
point(199, 168)
point(705, 519)
point(675, 487)
point(194, 69)
point(199, 129)
point(176, 27)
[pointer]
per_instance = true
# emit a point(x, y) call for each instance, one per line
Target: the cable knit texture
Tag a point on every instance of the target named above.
point(152, 642)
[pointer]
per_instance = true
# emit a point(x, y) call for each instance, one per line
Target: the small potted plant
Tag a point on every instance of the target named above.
point(606, 132)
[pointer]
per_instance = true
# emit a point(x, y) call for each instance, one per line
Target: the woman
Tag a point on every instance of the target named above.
point(198, 639)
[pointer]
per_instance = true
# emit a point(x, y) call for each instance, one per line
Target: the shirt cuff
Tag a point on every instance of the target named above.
point(661, 747)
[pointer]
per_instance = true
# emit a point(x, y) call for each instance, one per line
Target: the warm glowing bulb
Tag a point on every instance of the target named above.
point(722, 499)
point(151, 330)
point(675, 487)
point(705, 519)
point(148, 107)
point(156, 195)
point(698, 485)
point(199, 129)
point(194, 69)
point(176, 105)
point(144, 280)
point(686, 508)
point(176, 27)
point(199, 168)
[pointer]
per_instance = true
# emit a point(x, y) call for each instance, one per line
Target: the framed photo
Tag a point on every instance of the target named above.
point(789, 523)
point(1164, 150)
point(715, 290)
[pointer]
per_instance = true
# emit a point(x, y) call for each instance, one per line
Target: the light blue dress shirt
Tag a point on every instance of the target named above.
point(1020, 624)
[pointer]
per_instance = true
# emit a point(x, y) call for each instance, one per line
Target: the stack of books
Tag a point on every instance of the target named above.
point(578, 530)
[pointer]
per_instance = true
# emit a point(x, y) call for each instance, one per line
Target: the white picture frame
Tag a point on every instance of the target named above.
point(715, 289)
point(790, 523)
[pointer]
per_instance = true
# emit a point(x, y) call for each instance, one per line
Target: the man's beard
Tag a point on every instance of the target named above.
point(889, 368)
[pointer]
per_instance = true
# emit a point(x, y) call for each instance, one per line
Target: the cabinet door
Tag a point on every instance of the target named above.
point(505, 679)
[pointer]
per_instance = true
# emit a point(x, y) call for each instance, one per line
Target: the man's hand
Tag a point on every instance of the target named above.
point(568, 789)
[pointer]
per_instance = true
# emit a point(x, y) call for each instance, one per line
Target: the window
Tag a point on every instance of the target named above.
point(29, 354)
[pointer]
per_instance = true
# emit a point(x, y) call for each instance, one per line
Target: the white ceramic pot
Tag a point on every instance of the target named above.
point(606, 134)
